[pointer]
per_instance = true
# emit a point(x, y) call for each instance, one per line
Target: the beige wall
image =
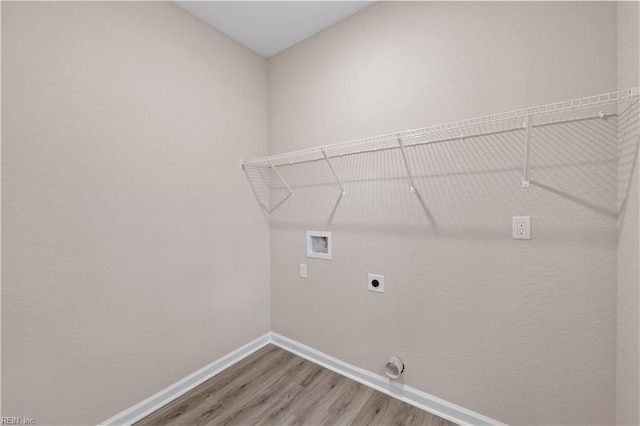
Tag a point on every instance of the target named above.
point(628, 328)
point(134, 252)
point(521, 331)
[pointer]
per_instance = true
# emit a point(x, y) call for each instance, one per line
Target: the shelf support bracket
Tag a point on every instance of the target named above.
point(406, 164)
point(283, 181)
point(335, 175)
point(527, 151)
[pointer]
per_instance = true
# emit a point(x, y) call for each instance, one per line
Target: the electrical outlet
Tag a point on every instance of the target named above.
point(303, 270)
point(521, 227)
point(375, 283)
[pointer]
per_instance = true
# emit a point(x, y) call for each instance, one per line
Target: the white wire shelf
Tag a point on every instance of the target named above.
point(523, 120)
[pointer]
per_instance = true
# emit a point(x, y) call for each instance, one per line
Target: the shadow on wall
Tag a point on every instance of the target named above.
point(465, 186)
point(628, 146)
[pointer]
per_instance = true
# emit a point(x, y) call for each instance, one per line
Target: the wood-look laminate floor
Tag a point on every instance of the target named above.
point(275, 387)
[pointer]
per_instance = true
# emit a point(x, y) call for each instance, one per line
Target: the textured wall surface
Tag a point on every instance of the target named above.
point(133, 251)
point(521, 331)
point(628, 306)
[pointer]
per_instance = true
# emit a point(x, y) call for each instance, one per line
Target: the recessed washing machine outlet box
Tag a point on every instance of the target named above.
point(319, 245)
point(375, 283)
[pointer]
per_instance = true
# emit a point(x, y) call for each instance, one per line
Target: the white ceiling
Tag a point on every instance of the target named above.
point(269, 27)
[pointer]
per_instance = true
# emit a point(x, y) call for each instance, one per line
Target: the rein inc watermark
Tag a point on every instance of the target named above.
point(17, 420)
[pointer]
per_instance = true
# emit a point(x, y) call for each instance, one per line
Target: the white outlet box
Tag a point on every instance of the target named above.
point(319, 245)
point(521, 227)
point(303, 270)
point(375, 283)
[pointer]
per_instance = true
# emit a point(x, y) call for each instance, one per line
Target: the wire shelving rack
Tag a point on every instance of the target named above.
point(523, 120)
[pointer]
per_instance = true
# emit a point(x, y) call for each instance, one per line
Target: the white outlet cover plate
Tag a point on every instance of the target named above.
point(521, 227)
point(380, 278)
point(303, 270)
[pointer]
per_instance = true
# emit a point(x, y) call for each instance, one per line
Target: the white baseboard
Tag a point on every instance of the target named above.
point(422, 400)
point(165, 396)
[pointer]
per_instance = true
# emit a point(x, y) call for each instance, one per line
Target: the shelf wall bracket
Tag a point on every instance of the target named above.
point(275, 169)
point(335, 175)
point(527, 151)
point(406, 164)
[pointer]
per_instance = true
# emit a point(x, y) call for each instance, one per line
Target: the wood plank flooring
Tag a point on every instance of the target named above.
point(275, 387)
